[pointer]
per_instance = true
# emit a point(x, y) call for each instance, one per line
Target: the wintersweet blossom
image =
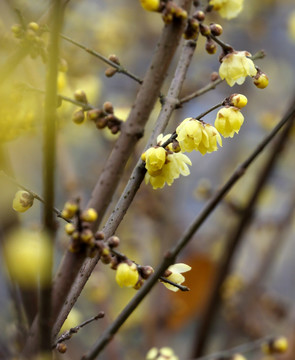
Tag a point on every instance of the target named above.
point(127, 275)
point(165, 353)
point(277, 345)
point(228, 121)
point(160, 171)
point(22, 201)
point(175, 276)
point(227, 9)
point(150, 5)
point(236, 66)
point(196, 135)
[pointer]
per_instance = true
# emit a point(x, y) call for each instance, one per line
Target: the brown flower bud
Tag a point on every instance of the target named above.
point(114, 58)
point(205, 30)
point(78, 117)
point(61, 347)
point(199, 15)
point(80, 95)
point(113, 241)
point(108, 107)
point(110, 71)
point(210, 47)
point(216, 29)
point(214, 76)
point(94, 114)
point(146, 271)
point(99, 235)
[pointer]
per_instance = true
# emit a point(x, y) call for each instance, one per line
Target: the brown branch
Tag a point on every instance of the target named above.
point(212, 85)
point(68, 334)
point(169, 259)
point(204, 329)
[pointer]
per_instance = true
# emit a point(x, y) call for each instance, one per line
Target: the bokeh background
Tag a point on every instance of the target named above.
point(258, 295)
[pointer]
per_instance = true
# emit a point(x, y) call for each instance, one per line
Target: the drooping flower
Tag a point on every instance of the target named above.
point(196, 135)
point(150, 5)
point(227, 9)
point(164, 167)
point(228, 121)
point(165, 353)
point(236, 66)
point(22, 201)
point(175, 275)
point(127, 275)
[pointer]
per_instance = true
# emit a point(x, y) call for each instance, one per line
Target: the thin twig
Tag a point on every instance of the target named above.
point(183, 241)
point(35, 195)
point(212, 85)
point(68, 334)
point(120, 69)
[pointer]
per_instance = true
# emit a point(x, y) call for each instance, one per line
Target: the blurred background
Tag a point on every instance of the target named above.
point(257, 297)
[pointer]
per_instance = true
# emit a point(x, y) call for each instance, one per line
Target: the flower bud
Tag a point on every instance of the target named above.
point(80, 95)
point(17, 30)
point(205, 30)
point(110, 71)
point(127, 275)
point(210, 47)
point(113, 241)
point(61, 347)
point(101, 123)
point(108, 107)
point(94, 114)
point(86, 236)
point(146, 271)
point(78, 117)
point(216, 29)
point(33, 26)
point(277, 345)
point(99, 235)
point(70, 209)
point(238, 100)
point(89, 215)
point(70, 228)
point(199, 15)
point(214, 76)
point(22, 201)
point(114, 58)
point(260, 80)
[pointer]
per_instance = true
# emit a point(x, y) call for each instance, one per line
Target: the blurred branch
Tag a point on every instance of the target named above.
point(36, 196)
point(120, 68)
point(204, 329)
point(170, 256)
point(240, 349)
point(68, 334)
point(49, 150)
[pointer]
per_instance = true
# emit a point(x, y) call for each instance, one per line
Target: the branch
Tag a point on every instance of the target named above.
point(49, 148)
point(204, 329)
point(120, 69)
point(170, 256)
point(212, 85)
point(68, 334)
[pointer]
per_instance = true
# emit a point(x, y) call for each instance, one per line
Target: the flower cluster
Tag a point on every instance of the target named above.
point(193, 134)
point(227, 9)
point(164, 165)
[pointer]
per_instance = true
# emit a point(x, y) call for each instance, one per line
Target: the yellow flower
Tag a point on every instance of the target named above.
point(175, 165)
point(238, 100)
point(127, 275)
point(89, 215)
point(22, 201)
point(175, 276)
point(195, 135)
point(165, 353)
point(227, 9)
point(229, 121)
point(154, 158)
point(235, 66)
point(277, 345)
point(150, 5)
point(27, 255)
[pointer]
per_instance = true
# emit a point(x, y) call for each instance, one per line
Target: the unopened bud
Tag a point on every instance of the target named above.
point(80, 95)
point(113, 241)
point(260, 80)
point(78, 117)
point(216, 29)
point(146, 271)
point(101, 123)
point(33, 26)
point(70, 228)
point(210, 47)
point(61, 347)
point(110, 71)
point(205, 30)
point(108, 107)
point(214, 76)
point(94, 114)
point(99, 235)
point(199, 15)
point(238, 100)
point(89, 215)
point(114, 58)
